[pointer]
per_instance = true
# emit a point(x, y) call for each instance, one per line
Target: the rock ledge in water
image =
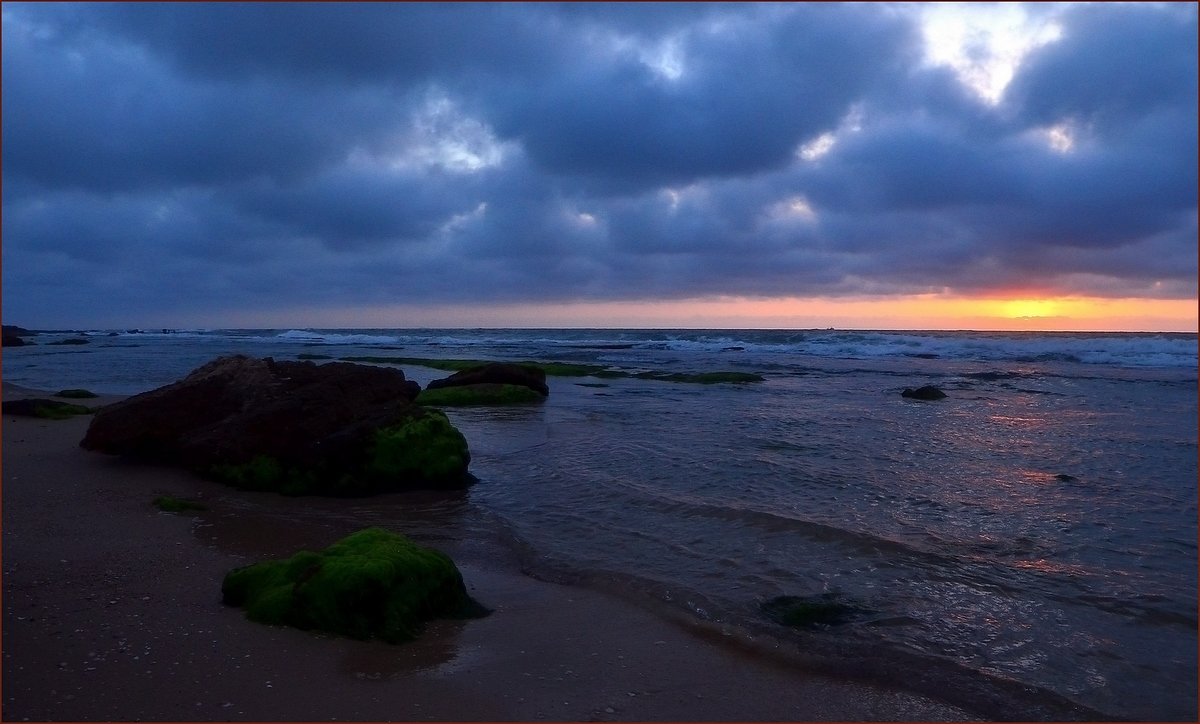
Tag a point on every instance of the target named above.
point(496, 373)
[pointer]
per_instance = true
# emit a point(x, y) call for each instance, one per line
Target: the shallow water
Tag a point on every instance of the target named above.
point(1038, 525)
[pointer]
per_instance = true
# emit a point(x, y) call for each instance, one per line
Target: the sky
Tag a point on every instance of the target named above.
point(786, 165)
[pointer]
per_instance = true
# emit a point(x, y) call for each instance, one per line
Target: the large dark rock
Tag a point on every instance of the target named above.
point(12, 335)
point(496, 373)
point(928, 392)
point(295, 427)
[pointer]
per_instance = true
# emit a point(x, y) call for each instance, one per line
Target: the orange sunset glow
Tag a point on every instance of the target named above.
point(927, 311)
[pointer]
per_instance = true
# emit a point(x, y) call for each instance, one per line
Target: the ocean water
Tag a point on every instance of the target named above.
point(1029, 540)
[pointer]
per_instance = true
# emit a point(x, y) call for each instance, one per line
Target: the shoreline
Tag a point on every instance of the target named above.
point(112, 611)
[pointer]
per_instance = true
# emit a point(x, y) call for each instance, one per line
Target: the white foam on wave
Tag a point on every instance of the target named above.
point(306, 335)
point(1122, 350)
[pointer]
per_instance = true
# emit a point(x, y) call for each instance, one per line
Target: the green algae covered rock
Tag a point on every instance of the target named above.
point(371, 584)
point(427, 448)
point(482, 394)
point(44, 409)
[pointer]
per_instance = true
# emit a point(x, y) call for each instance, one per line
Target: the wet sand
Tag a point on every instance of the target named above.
point(112, 611)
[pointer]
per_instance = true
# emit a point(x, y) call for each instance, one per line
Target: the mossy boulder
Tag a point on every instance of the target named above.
point(292, 427)
point(371, 584)
point(496, 373)
point(475, 395)
point(44, 409)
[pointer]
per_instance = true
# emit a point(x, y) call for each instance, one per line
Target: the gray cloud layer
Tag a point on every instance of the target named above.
point(178, 157)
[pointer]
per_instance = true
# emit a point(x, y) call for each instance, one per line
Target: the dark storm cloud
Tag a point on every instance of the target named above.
point(225, 156)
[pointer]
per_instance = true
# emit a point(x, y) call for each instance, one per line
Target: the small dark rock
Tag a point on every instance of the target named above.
point(45, 409)
point(1064, 478)
point(928, 392)
point(71, 340)
point(809, 611)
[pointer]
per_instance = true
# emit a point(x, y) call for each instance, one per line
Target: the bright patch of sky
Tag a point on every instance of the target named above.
point(441, 135)
point(794, 208)
point(985, 43)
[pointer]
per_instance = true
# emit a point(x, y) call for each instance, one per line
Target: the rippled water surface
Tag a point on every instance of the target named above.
point(1039, 524)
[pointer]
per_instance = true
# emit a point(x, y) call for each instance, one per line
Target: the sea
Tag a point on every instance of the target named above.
point(1025, 545)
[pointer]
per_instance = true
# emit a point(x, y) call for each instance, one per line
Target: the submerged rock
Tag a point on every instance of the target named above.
point(45, 409)
point(497, 373)
point(292, 427)
point(372, 584)
point(928, 392)
point(809, 611)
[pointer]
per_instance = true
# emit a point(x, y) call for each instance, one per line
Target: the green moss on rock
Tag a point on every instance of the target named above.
point(169, 504)
point(427, 448)
point(76, 394)
point(552, 369)
point(261, 473)
point(483, 394)
point(44, 409)
point(372, 584)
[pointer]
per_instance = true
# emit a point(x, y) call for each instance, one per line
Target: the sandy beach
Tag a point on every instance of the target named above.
point(112, 611)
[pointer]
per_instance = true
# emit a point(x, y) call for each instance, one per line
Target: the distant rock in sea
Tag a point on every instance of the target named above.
point(13, 336)
point(928, 392)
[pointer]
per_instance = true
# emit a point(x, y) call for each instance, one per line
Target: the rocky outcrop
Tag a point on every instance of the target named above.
point(928, 392)
point(497, 373)
point(293, 427)
point(13, 335)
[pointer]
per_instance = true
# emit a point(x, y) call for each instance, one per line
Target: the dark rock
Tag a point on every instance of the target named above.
point(496, 373)
point(15, 331)
point(45, 409)
point(928, 392)
point(12, 340)
point(71, 341)
point(810, 611)
point(1064, 478)
point(293, 427)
